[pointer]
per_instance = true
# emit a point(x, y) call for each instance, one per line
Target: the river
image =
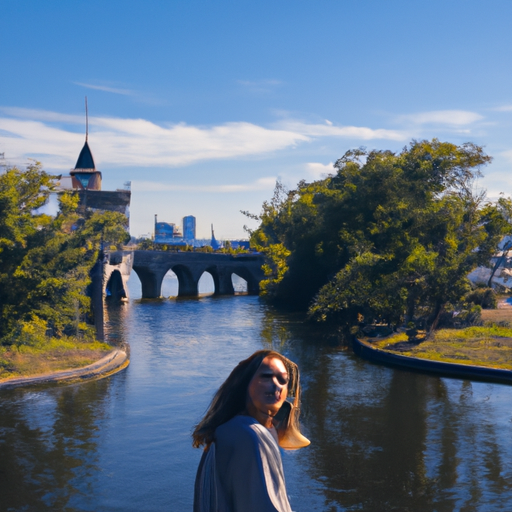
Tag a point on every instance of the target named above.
point(381, 439)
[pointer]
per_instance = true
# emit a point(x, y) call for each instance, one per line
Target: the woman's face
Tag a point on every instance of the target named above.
point(268, 388)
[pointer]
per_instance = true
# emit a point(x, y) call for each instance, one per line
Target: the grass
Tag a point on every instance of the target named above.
point(49, 356)
point(497, 315)
point(489, 346)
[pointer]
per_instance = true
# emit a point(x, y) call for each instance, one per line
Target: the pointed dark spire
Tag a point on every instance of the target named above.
point(85, 160)
point(85, 176)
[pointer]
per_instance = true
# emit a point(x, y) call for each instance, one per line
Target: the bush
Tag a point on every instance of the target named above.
point(5, 366)
point(484, 297)
point(29, 333)
point(461, 315)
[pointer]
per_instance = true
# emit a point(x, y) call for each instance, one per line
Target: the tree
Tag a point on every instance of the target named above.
point(45, 261)
point(267, 240)
point(385, 234)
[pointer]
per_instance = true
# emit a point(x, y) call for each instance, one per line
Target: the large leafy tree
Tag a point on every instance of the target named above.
point(385, 234)
point(45, 260)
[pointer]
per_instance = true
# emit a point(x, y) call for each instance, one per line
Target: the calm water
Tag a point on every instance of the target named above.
point(382, 440)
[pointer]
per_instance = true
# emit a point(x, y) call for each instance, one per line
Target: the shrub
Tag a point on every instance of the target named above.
point(484, 297)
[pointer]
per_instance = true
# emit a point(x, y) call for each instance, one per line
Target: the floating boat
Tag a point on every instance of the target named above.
point(364, 349)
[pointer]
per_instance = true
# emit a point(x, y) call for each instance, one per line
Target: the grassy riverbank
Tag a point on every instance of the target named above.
point(51, 356)
point(483, 346)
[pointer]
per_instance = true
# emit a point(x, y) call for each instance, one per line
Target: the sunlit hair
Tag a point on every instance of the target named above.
point(230, 399)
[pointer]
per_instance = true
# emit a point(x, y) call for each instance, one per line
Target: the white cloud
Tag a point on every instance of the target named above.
point(105, 88)
point(135, 142)
point(56, 138)
point(345, 132)
point(57, 148)
point(43, 115)
point(449, 117)
point(267, 183)
point(318, 170)
point(503, 108)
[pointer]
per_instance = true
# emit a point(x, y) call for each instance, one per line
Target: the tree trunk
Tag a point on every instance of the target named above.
point(433, 327)
point(411, 306)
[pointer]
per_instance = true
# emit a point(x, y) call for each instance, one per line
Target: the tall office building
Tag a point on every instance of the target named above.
point(189, 227)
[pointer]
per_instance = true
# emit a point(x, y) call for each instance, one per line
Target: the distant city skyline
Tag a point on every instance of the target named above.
point(203, 105)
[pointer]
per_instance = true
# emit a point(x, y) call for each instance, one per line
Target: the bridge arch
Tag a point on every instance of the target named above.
point(253, 281)
point(222, 279)
point(187, 281)
point(170, 284)
point(151, 282)
point(206, 284)
point(240, 284)
point(135, 286)
point(114, 289)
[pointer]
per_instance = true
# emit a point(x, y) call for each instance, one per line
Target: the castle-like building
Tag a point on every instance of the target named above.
point(86, 180)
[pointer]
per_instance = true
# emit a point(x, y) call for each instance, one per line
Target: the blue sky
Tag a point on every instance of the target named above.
point(204, 104)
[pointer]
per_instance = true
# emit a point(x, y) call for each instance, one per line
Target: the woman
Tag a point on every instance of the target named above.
point(241, 468)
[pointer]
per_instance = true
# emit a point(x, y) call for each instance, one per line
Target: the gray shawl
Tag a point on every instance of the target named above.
point(241, 471)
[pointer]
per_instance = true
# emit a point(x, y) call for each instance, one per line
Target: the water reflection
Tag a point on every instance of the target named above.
point(49, 445)
point(371, 440)
point(400, 443)
point(381, 439)
point(393, 440)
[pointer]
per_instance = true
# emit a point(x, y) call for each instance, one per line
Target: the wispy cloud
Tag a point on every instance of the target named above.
point(260, 86)
point(503, 108)
point(106, 88)
point(134, 142)
point(345, 132)
point(446, 117)
point(5, 133)
point(318, 170)
point(153, 186)
point(55, 139)
point(42, 115)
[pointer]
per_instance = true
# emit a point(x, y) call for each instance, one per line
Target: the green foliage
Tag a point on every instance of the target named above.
point(266, 239)
point(228, 249)
point(477, 332)
point(484, 297)
point(385, 234)
point(45, 261)
point(30, 332)
point(147, 245)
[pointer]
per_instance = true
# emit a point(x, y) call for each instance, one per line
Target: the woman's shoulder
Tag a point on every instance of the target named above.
point(240, 428)
point(236, 424)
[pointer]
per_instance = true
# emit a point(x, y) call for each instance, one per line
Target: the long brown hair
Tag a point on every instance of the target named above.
point(230, 398)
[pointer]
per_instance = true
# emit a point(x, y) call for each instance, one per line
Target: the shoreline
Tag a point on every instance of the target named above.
point(363, 348)
point(115, 361)
point(490, 361)
point(118, 359)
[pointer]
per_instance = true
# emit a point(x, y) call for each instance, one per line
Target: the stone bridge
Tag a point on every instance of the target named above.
point(151, 267)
